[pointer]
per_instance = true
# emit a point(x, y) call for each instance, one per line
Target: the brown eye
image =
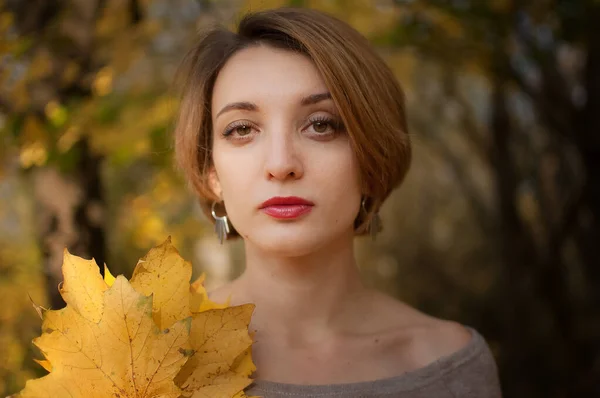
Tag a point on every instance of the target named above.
point(239, 130)
point(243, 130)
point(320, 127)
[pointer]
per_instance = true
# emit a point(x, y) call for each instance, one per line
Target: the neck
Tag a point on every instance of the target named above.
point(306, 295)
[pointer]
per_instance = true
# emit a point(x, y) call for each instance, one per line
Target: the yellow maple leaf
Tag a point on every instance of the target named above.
point(124, 354)
point(109, 279)
point(44, 364)
point(210, 372)
point(154, 336)
point(82, 287)
point(199, 297)
point(165, 274)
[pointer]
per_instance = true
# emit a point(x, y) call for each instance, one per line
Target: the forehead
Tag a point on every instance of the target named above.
point(266, 74)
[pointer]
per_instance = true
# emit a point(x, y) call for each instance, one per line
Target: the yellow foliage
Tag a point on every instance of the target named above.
point(130, 132)
point(34, 154)
point(56, 113)
point(113, 20)
point(41, 65)
point(362, 15)
point(20, 271)
point(70, 73)
point(162, 112)
point(20, 95)
point(162, 190)
point(68, 139)
point(149, 229)
point(6, 21)
point(33, 136)
point(141, 338)
point(259, 5)
point(103, 82)
point(32, 130)
point(448, 23)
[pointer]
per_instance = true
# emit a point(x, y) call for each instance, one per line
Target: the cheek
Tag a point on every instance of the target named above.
point(236, 178)
point(341, 169)
point(231, 168)
point(339, 184)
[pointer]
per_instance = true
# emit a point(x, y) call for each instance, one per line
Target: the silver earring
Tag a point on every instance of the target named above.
point(374, 223)
point(221, 224)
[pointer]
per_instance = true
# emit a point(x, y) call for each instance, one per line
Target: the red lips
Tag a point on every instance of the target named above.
point(288, 207)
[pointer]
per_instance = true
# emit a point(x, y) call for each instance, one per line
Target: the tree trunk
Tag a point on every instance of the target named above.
point(588, 140)
point(70, 213)
point(71, 208)
point(513, 244)
point(587, 235)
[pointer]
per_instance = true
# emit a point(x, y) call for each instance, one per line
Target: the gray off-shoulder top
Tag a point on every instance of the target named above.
point(470, 372)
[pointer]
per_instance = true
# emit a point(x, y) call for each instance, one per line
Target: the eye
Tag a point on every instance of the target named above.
point(324, 125)
point(238, 129)
point(320, 127)
point(243, 130)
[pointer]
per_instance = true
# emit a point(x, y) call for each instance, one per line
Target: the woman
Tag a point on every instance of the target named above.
point(292, 132)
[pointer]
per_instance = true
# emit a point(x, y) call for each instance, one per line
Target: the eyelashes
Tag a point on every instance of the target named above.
point(319, 122)
point(318, 126)
point(241, 127)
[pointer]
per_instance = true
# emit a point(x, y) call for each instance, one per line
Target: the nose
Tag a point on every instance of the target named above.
point(282, 158)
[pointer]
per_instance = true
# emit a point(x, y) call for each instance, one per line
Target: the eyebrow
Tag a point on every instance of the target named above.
point(315, 98)
point(249, 106)
point(243, 106)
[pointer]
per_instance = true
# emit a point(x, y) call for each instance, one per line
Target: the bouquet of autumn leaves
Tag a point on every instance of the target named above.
point(155, 335)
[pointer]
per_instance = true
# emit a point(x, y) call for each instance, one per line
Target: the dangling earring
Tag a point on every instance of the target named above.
point(374, 223)
point(221, 224)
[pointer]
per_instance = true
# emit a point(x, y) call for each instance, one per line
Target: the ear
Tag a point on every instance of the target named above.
point(214, 184)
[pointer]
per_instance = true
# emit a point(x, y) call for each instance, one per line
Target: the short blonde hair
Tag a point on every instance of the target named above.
point(363, 88)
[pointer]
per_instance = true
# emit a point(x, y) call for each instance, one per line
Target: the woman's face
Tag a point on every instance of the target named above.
point(277, 134)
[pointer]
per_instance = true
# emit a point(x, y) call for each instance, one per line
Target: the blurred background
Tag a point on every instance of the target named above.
point(497, 225)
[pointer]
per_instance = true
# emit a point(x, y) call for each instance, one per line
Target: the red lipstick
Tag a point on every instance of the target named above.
point(288, 207)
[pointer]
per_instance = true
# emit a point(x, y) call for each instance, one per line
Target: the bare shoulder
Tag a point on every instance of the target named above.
point(425, 337)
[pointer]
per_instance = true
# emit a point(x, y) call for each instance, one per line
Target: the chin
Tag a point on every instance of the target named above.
point(289, 240)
